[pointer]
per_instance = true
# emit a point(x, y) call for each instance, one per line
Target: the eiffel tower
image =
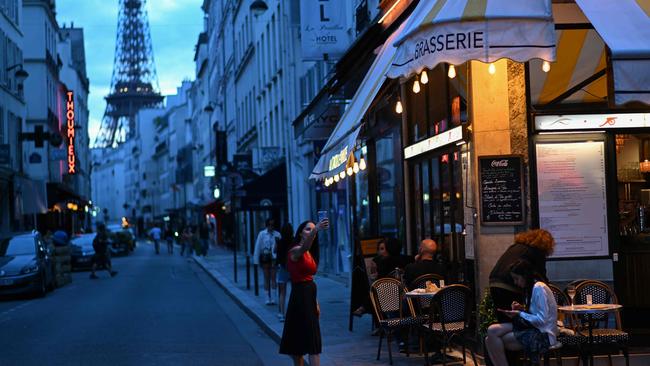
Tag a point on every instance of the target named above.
point(134, 84)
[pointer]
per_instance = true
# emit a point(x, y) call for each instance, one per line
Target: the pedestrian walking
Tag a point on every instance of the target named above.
point(187, 240)
point(533, 246)
point(264, 255)
point(169, 237)
point(301, 333)
point(102, 256)
point(282, 275)
point(155, 233)
point(533, 330)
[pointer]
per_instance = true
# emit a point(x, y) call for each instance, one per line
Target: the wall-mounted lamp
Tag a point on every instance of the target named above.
point(20, 74)
point(258, 7)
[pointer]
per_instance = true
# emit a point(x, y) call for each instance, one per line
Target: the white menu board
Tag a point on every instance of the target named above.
point(572, 197)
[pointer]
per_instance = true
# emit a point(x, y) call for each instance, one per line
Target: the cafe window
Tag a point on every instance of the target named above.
point(633, 168)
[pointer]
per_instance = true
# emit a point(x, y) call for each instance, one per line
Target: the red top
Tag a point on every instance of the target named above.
point(303, 269)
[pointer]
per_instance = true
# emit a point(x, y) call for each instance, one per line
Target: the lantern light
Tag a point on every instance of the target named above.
point(452, 72)
point(336, 178)
point(362, 163)
point(355, 167)
point(350, 171)
point(424, 79)
point(492, 69)
point(546, 66)
point(342, 174)
point(416, 86)
point(398, 107)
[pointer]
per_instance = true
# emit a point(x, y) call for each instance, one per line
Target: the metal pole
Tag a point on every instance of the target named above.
point(248, 261)
point(234, 247)
point(255, 280)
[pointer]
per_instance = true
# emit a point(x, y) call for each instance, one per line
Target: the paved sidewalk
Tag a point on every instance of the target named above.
point(340, 346)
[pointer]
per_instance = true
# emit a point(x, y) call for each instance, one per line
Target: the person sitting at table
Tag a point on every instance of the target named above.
point(426, 262)
point(390, 259)
point(533, 330)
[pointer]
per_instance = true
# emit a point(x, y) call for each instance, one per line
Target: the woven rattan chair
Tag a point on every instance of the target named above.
point(604, 337)
point(450, 318)
point(387, 296)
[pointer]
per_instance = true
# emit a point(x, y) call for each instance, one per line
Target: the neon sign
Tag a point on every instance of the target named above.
point(72, 163)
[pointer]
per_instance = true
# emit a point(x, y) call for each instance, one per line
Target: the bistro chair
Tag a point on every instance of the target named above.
point(603, 336)
point(388, 300)
point(450, 318)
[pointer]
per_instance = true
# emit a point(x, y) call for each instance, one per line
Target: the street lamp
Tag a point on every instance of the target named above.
point(258, 7)
point(20, 74)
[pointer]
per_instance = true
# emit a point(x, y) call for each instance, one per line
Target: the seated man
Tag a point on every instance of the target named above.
point(425, 263)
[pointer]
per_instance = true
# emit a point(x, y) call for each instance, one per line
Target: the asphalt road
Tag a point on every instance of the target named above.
point(159, 310)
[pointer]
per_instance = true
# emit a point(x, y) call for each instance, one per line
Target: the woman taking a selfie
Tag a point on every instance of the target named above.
point(301, 334)
point(533, 330)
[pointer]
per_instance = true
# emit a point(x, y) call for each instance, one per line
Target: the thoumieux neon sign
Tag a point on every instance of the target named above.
point(72, 161)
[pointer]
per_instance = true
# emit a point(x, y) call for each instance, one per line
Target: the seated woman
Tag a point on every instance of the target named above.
point(534, 330)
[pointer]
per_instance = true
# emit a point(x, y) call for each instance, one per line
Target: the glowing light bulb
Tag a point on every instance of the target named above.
point(424, 79)
point(398, 107)
point(416, 87)
point(336, 178)
point(349, 171)
point(546, 66)
point(342, 174)
point(452, 72)
point(492, 69)
point(355, 167)
point(362, 164)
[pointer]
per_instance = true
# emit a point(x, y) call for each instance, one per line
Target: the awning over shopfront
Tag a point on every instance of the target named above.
point(625, 27)
point(485, 30)
point(343, 139)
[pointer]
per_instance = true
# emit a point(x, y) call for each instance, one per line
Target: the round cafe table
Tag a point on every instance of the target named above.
point(589, 311)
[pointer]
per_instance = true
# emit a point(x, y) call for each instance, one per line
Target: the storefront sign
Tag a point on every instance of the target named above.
point(501, 181)
point(572, 197)
point(324, 28)
point(435, 142)
point(70, 136)
point(592, 121)
point(339, 159)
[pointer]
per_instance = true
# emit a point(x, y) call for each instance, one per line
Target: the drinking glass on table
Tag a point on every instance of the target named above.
point(571, 291)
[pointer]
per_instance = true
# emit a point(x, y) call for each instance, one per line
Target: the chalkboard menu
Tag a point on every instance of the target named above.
point(502, 193)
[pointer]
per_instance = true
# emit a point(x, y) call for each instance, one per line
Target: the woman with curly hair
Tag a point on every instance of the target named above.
point(533, 246)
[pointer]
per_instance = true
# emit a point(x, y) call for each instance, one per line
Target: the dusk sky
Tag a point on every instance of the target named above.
point(175, 25)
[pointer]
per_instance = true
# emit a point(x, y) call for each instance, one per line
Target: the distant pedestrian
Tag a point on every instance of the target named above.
point(204, 235)
point(102, 256)
point(155, 233)
point(282, 252)
point(301, 333)
point(169, 237)
point(264, 256)
point(187, 240)
point(533, 246)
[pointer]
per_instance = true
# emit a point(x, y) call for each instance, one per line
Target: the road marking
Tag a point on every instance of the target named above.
point(5, 315)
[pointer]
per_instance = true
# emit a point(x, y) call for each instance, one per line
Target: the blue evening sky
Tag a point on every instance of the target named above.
point(175, 26)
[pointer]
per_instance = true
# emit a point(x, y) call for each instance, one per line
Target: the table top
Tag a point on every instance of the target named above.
point(421, 294)
point(589, 309)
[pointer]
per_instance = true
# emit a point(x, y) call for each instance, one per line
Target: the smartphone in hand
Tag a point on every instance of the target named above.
point(322, 215)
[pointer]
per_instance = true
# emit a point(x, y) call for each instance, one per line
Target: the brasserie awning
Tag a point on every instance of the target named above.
point(624, 25)
point(457, 31)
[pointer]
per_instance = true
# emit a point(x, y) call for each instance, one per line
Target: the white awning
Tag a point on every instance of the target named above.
point(343, 139)
point(625, 27)
point(456, 31)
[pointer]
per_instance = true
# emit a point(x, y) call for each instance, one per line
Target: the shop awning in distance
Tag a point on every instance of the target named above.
point(625, 27)
point(457, 31)
point(343, 139)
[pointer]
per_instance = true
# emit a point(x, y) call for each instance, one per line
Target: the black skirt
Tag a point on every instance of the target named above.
point(301, 334)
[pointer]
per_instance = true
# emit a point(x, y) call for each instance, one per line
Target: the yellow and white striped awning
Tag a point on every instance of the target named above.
point(456, 31)
point(581, 56)
point(625, 27)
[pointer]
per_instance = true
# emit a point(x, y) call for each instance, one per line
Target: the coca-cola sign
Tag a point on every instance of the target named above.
point(502, 190)
point(503, 163)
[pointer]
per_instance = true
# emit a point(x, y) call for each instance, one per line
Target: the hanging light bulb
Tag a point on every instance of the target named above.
point(452, 72)
point(416, 86)
point(424, 79)
point(355, 167)
point(398, 107)
point(349, 170)
point(342, 174)
point(546, 66)
point(362, 163)
point(336, 178)
point(326, 183)
point(492, 69)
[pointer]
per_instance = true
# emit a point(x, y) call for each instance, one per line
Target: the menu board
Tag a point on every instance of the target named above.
point(502, 194)
point(572, 197)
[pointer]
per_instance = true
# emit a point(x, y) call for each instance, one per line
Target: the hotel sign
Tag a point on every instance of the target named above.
point(324, 26)
point(432, 143)
point(72, 163)
point(592, 121)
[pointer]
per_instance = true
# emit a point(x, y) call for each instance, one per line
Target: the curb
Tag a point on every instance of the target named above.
point(233, 293)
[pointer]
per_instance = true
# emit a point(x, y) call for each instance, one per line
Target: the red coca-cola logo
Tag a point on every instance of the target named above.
point(499, 163)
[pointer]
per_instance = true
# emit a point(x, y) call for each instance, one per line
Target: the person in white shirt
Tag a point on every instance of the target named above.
point(533, 330)
point(265, 256)
point(155, 234)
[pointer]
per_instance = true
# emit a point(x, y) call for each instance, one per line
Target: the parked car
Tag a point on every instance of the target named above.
point(123, 239)
point(82, 252)
point(25, 265)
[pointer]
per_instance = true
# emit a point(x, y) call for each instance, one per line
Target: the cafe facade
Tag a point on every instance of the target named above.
point(513, 116)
